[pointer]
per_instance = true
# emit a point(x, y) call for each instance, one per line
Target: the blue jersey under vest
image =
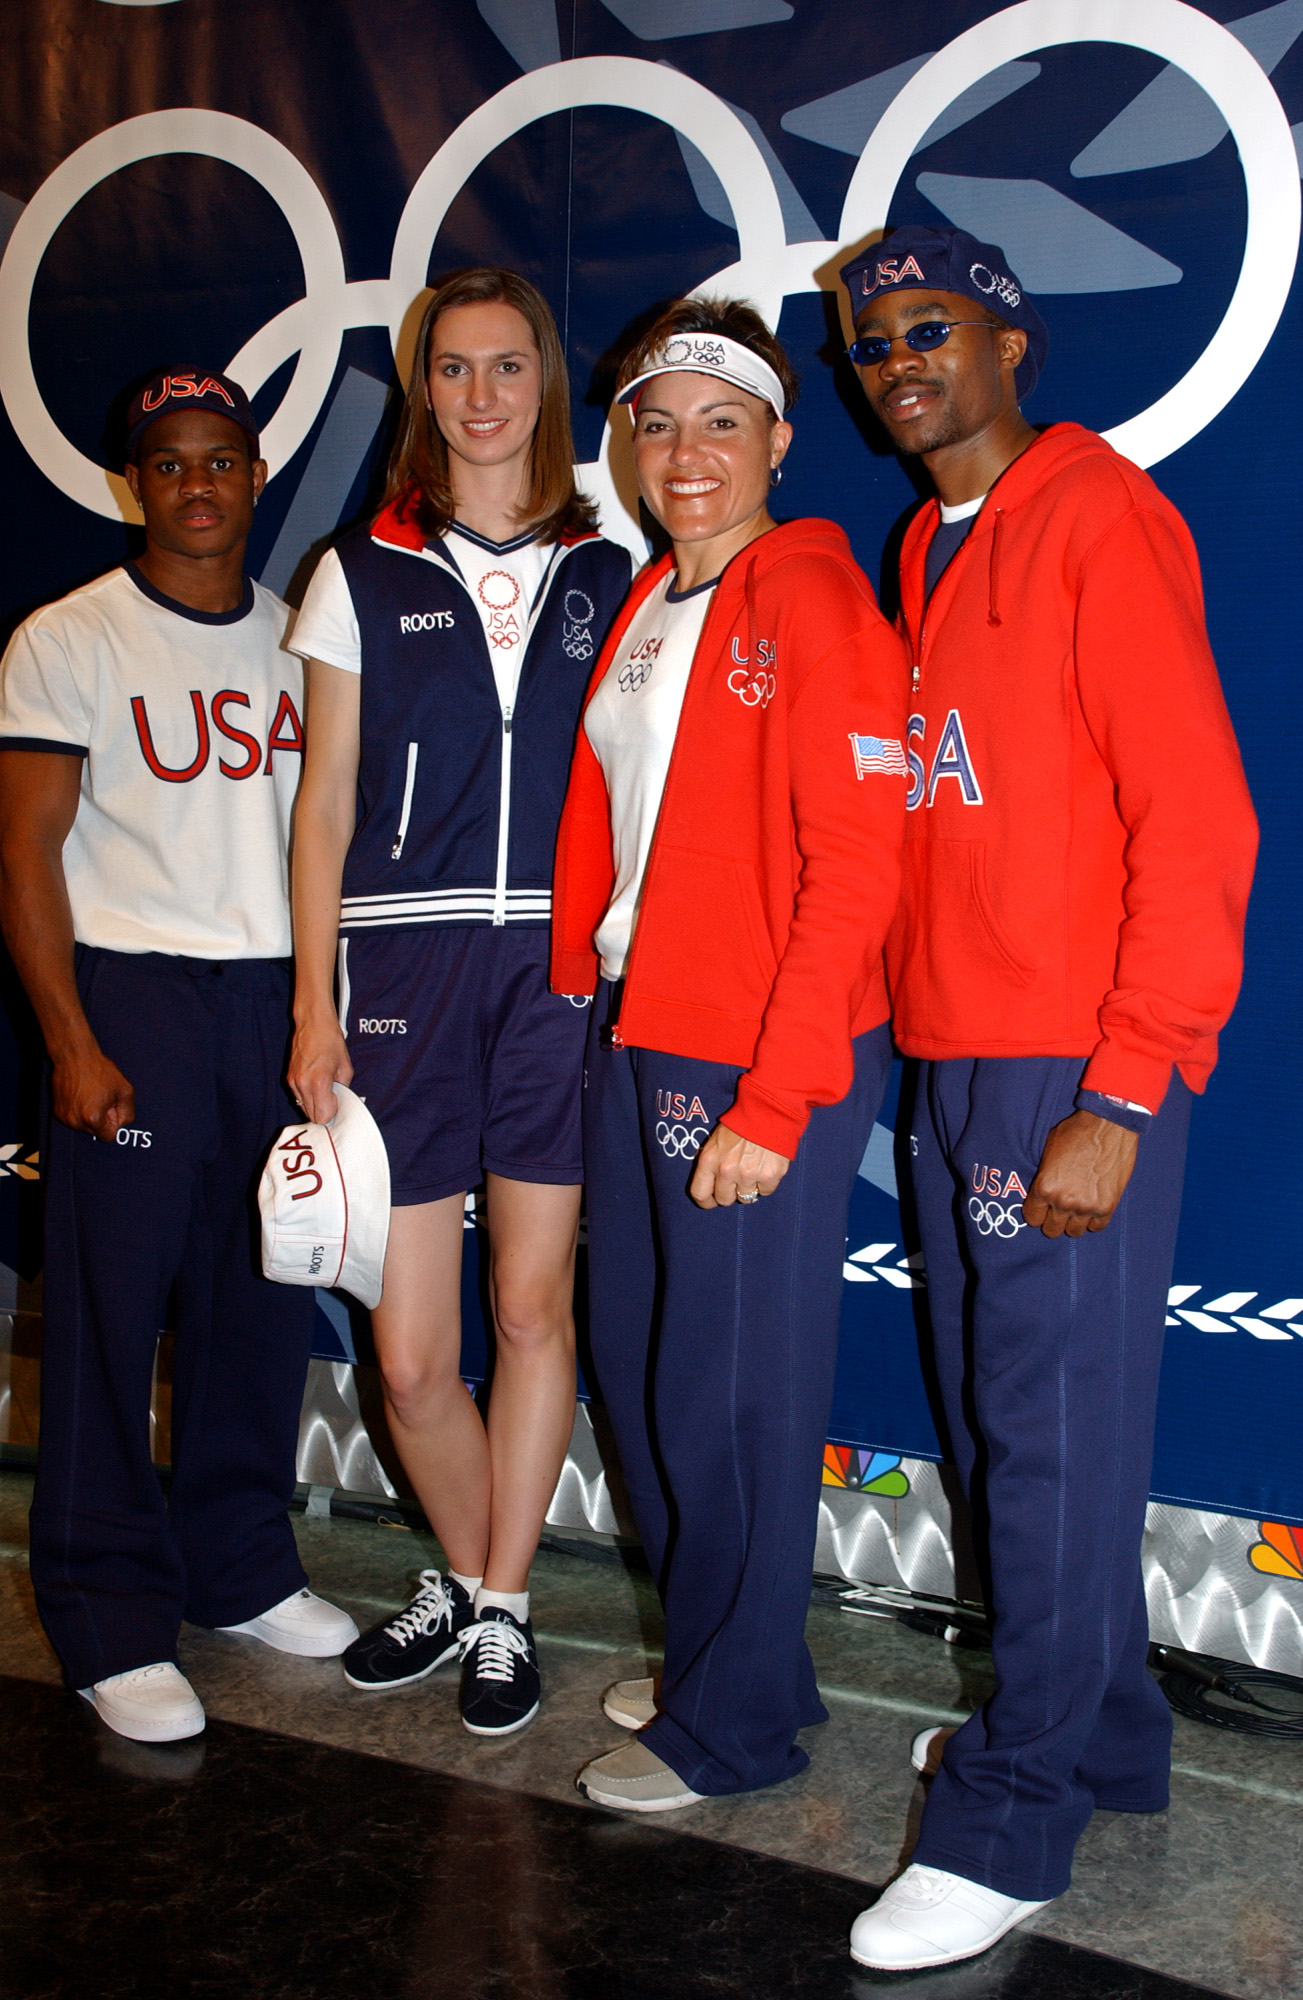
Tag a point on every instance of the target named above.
point(458, 804)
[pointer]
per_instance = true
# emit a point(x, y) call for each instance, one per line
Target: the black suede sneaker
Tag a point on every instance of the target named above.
point(407, 1648)
point(500, 1683)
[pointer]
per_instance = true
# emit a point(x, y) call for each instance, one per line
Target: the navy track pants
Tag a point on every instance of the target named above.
point(1048, 1356)
point(168, 1209)
point(714, 1334)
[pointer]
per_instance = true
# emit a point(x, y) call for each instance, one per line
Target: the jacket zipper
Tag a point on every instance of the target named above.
point(504, 786)
point(504, 822)
point(504, 783)
point(396, 851)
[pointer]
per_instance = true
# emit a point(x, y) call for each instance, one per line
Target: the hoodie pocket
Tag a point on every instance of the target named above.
point(710, 939)
point(958, 964)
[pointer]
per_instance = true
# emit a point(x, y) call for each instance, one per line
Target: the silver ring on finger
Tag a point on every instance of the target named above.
point(754, 1195)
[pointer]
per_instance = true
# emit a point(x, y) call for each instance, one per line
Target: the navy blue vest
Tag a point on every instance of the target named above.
point(457, 808)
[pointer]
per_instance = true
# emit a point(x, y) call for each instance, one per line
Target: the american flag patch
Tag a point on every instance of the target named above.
point(878, 753)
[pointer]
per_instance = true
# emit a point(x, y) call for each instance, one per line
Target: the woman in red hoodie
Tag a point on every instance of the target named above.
point(727, 867)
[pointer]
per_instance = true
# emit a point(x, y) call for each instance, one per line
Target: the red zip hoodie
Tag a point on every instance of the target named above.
point(1080, 841)
point(775, 867)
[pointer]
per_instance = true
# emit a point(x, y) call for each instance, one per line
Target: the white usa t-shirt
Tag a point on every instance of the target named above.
point(632, 722)
point(504, 581)
point(189, 728)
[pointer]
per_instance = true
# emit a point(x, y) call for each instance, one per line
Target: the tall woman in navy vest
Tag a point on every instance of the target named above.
point(448, 646)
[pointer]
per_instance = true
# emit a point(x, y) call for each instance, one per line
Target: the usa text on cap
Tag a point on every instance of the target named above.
point(186, 389)
point(950, 260)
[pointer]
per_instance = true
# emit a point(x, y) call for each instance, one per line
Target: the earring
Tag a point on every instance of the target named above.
point(775, 475)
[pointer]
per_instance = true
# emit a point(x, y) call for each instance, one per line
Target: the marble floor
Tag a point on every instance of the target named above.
point(317, 1841)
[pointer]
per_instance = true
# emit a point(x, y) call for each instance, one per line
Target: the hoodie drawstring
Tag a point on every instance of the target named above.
point(993, 599)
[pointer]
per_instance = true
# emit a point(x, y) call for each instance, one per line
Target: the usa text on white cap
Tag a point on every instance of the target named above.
point(710, 354)
point(324, 1201)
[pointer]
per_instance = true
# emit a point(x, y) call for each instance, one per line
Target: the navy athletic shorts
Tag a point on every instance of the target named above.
point(468, 1063)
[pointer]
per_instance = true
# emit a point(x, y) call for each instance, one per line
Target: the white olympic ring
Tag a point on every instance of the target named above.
point(578, 999)
point(767, 269)
point(992, 1218)
point(752, 688)
point(217, 136)
point(1244, 95)
point(635, 675)
point(680, 1141)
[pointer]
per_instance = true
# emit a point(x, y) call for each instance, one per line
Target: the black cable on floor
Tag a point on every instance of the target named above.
point(1227, 1695)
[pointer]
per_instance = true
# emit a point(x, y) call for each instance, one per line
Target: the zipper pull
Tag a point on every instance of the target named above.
point(915, 676)
point(506, 722)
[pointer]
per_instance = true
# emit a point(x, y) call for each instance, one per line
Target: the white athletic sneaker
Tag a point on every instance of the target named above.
point(301, 1624)
point(154, 1704)
point(630, 1703)
point(929, 1917)
point(926, 1751)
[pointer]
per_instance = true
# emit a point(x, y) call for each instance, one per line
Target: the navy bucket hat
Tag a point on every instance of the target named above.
point(950, 260)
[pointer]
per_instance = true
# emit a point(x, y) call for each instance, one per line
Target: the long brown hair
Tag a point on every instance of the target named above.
point(418, 464)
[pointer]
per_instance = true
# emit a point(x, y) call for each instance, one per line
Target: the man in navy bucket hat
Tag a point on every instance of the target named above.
point(1078, 848)
point(950, 260)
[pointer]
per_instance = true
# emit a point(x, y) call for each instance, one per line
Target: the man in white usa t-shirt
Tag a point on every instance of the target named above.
point(152, 736)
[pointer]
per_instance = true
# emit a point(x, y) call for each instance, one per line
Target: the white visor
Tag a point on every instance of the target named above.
point(710, 354)
point(324, 1199)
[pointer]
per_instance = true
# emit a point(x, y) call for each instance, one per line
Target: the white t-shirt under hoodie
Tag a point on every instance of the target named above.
point(632, 722)
point(188, 724)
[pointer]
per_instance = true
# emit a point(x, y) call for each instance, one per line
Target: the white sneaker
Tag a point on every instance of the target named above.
point(301, 1624)
point(630, 1703)
point(930, 1917)
point(926, 1750)
point(154, 1704)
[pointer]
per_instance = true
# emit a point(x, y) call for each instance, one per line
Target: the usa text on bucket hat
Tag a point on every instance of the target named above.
point(950, 260)
point(324, 1201)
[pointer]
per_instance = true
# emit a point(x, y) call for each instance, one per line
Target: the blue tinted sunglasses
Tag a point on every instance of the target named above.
point(874, 347)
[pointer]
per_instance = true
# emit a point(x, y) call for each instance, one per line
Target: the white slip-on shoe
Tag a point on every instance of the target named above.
point(301, 1624)
point(154, 1704)
point(635, 1779)
point(926, 1750)
point(929, 1917)
point(630, 1703)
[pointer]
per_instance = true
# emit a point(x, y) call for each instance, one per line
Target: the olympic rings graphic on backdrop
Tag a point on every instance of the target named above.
point(751, 689)
point(680, 1141)
point(994, 1219)
point(767, 269)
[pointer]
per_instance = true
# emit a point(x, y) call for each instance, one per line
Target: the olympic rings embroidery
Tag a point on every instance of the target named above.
point(994, 1219)
point(680, 1141)
point(752, 690)
point(634, 675)
point(504, 628)
point(576, 638)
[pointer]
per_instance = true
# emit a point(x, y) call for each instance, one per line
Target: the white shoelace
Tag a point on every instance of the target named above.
point(497, 1642)
point(424, 1612)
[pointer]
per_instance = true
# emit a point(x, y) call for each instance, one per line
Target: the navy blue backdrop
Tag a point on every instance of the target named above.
point(1111, 179)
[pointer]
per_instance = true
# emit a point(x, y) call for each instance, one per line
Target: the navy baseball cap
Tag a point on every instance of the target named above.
point(187, 389)
point(950, 260)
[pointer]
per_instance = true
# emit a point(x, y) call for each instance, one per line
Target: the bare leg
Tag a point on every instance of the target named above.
point(533, 1230)
point(435, 1425)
